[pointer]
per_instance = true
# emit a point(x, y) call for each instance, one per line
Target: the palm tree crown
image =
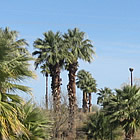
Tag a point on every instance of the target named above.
point(79, 47)
point(86, 82)
point(14, 57)
point(49, 50)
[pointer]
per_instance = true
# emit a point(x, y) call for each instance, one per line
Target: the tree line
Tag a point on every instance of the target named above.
point(20, 119)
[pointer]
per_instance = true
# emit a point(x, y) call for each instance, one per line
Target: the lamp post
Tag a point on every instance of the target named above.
point(131, 70)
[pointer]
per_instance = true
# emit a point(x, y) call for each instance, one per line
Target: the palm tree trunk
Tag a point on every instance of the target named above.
point(85, 102)
point(55, 85)
point(90, 105)
point(46, 91)
point(72, 100)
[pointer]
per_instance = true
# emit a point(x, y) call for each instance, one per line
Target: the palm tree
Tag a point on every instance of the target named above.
point(44, 66)
point(14, 68)
point(103, 95)
point(124, 109)
point(51, 55)
point(91, 88)
point(36, 121)
point(78, 48)
point(86, 83)
point(98, 127)
point(81, 83)
point(45, 71)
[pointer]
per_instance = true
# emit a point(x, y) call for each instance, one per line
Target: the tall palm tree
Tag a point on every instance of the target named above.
point(78, 48)
point(88, 85)
point(51, 55)
point(43, 65)
point(14, 68)
point(124, 109)
point(45, 71)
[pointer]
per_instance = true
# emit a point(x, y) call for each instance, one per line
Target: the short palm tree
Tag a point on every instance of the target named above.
point(97, 127)
point(103, 95)
point(51, 57)
point(87, 84)
point(78, 48)
point(124, 109)
point(36, 121)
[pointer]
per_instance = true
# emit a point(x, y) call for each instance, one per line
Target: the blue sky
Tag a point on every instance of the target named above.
point(112, 25)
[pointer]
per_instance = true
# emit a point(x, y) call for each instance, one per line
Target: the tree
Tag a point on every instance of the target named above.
point(44, 66)
point(51, 56)
point(124, 109)
point(45, 71)
point(78, 48)
point(97, 127)
point(14, 68)
point(103, 95)
point(36, 121)
point(86, 82)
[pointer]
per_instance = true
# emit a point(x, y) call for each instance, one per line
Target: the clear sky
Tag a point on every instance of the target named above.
point(112, 25)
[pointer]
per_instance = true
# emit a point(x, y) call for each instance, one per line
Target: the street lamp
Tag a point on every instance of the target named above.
point(131, 70)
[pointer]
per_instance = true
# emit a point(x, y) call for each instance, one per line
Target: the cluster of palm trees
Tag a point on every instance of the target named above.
point(57, 51)
point(120, 109)
point(18, 119)
point(24, 120)
point(87, 84)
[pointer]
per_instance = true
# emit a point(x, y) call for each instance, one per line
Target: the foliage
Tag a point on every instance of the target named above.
point(104, 95)
point(86, 82)
point(49, 51)
point(98, 127)
point(78, 46)
point(14, 68)
point(36, 121)
point(123, 108)
point(10, 125)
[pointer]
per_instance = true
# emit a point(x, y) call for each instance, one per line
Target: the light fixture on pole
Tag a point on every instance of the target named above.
point(131, 70)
